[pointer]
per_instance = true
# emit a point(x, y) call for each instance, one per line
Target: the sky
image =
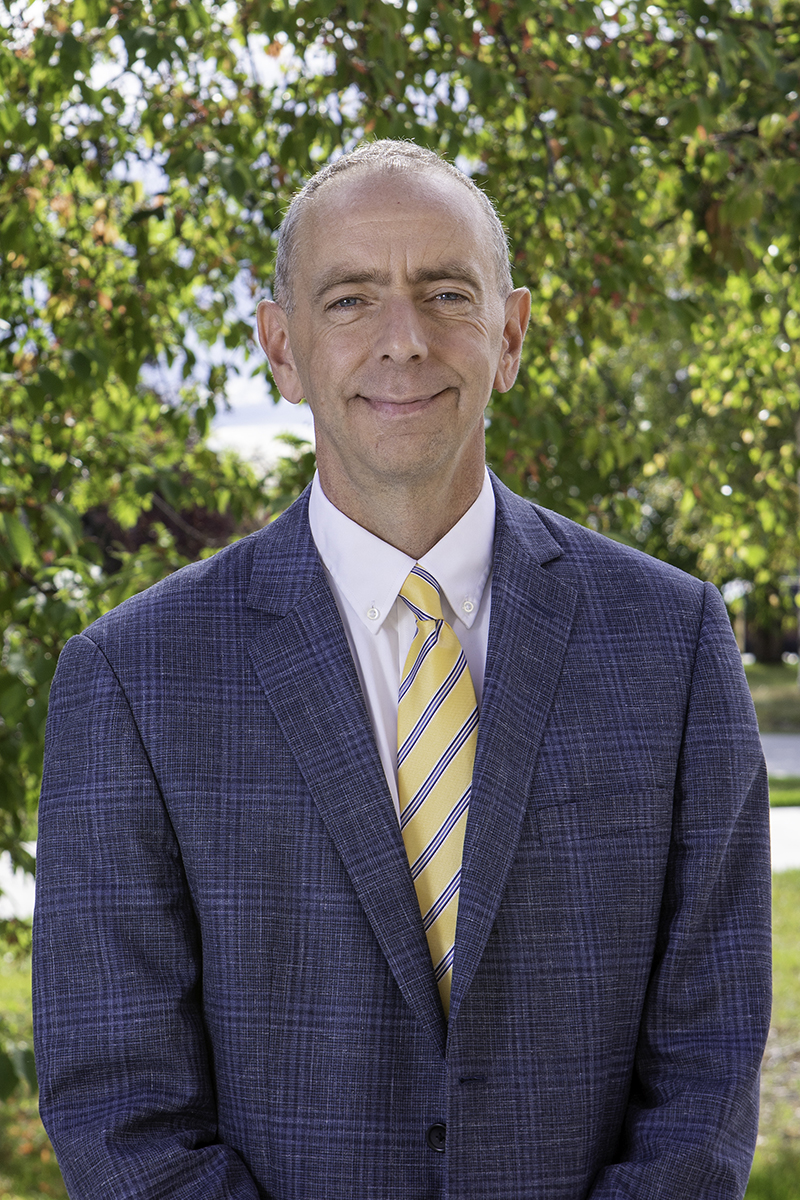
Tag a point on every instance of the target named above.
point(255, 419)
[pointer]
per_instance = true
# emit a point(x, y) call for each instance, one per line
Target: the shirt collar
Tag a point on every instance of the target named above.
point(369, 572)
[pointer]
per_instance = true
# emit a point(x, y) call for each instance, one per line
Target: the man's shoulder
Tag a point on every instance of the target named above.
point(585, 558)
point(216, 588)
point(593, 551)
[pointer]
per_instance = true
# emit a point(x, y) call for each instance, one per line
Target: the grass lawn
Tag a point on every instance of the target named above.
point(777, 699)
point(776, 696)
point(776, 1170)
point(784, 792)
point(28, 1169)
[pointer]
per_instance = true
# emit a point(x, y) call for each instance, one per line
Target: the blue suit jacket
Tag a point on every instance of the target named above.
point(233, 991)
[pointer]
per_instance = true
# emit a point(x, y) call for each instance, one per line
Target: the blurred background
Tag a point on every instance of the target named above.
point(646, 161)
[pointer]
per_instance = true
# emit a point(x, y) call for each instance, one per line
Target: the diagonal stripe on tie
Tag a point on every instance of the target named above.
point(430, 782)
point(442, 967)
point(438, 907)
point(441, 834)
point(429, 579)
point(430, 710)
point(437, 728)
point(427, 645)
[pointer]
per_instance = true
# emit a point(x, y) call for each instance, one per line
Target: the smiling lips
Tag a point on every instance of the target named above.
point(408, 404)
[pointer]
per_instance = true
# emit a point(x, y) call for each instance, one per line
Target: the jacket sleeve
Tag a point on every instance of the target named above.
point(692, 1117)
point(125, 1081)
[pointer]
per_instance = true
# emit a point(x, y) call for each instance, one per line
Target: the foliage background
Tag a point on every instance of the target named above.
point(644, 156)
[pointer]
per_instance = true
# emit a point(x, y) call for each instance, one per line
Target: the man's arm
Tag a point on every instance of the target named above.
point(127, 1093)
point(693, 1113)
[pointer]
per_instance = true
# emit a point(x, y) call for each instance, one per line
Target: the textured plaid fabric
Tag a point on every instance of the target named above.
point(437, 730)
point(233, 991)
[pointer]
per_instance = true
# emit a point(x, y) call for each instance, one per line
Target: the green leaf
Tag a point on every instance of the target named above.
point(19, 539)
point(50, 383)
point(233, 177)
point(687, 119)
point(728, 53)
point(67, 522)
point(783, 177)
point(753, 555)
point(716, 165)
point(13, 700)
point(25, 1065)
point(742, 205)
point(8, 1076)
point(69, 55)
point(772, 126)
point(81, 365)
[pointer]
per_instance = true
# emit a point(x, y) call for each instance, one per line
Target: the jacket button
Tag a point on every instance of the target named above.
point(435, 1137)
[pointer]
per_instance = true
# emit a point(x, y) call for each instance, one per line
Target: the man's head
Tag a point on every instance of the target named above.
point(382, 156)
point(399, 325)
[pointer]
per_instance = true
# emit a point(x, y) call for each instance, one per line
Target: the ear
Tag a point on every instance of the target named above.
point(518, 311)
point(273, 334)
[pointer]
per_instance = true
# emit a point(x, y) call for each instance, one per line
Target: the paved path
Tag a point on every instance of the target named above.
point(782, 752)
point(784, 826)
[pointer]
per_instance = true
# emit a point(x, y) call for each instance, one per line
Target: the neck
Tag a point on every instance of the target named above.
point(412, 516)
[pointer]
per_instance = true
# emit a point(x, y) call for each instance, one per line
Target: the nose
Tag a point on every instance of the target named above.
point(401, 336)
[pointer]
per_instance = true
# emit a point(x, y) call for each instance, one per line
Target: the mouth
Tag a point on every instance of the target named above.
point(395, 406)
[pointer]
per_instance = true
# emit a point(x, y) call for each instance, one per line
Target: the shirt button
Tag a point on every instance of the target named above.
point(435, 1137)
point(373, 613)
point(468, 606)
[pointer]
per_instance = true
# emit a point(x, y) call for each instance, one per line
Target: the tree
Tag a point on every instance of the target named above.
point(645, 158)
point(104, 480)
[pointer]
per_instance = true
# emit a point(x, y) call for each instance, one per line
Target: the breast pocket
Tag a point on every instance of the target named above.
point(645, 816)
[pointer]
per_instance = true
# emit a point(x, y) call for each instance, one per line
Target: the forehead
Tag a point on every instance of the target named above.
point(389, 217)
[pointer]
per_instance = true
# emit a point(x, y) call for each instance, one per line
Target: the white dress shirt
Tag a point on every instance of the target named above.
point(365, 575)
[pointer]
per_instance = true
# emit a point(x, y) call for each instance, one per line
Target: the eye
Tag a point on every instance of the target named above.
point(451, 297)
point(344, 302)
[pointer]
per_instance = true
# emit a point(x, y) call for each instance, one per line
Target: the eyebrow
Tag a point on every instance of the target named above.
point(339, 276)
point(448, 270)
point(343, 276)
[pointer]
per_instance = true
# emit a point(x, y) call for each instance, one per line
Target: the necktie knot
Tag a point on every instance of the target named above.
point(422, 594)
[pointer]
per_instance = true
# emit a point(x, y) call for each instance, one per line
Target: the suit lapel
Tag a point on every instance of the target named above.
point(529, 629)
point(306, 670)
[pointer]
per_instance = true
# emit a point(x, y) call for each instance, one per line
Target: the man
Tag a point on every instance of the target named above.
point(415, 846)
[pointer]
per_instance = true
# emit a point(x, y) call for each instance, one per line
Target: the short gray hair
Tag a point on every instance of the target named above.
point(386, 155)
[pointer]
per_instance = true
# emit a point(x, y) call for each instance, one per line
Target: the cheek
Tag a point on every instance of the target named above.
point(469, 343)
point(337, 350)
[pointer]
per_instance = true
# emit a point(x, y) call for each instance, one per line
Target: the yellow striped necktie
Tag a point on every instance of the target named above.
point(437, 729)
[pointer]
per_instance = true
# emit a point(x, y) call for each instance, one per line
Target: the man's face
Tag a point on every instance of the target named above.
point(398, 331)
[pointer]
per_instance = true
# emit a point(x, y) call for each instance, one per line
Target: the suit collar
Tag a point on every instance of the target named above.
point(286, 565)
point(519, 521)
